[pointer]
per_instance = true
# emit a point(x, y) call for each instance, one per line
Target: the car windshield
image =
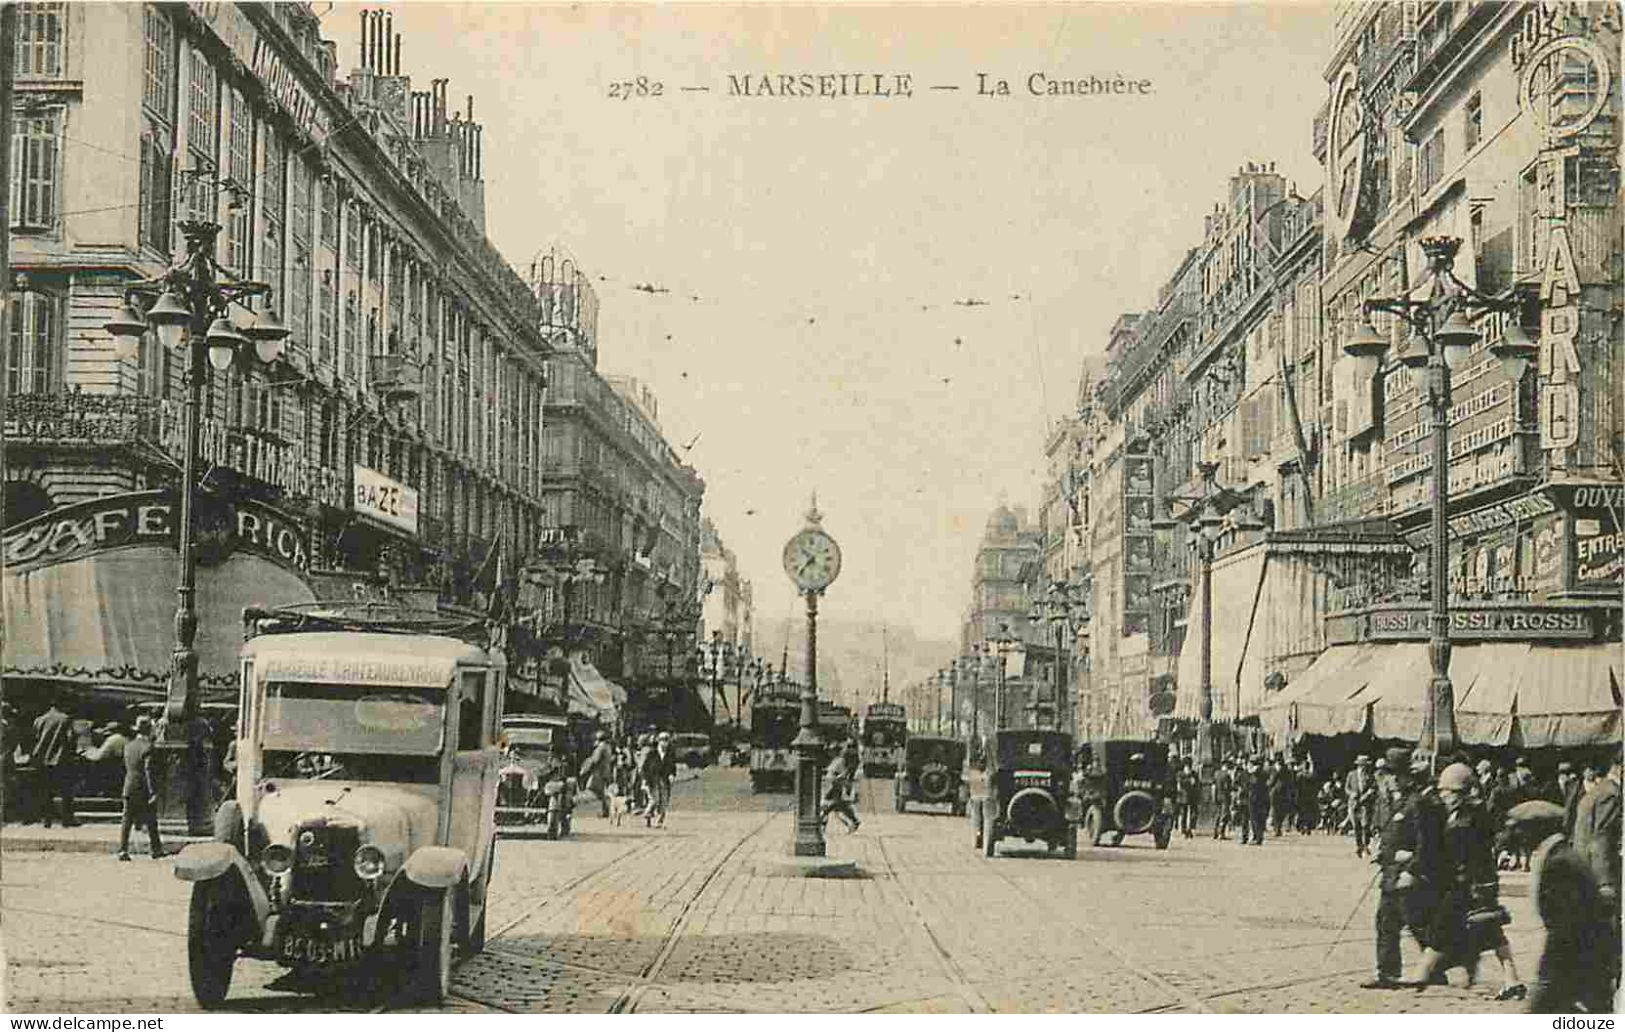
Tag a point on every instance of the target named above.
point(529, 738)
point(304, 717)
point(322, 766)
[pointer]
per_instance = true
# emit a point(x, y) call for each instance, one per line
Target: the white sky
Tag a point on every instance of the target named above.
point(827, 239)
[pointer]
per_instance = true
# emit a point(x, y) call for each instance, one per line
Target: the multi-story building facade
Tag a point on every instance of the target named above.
point(1494, 124)
point(1006, 575)
point(400, 435)
point(620, 582)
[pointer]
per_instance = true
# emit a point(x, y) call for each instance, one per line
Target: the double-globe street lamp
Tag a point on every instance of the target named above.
point(1065, 607)
point(191, 306)
point(1441, 341)
point(715, 660)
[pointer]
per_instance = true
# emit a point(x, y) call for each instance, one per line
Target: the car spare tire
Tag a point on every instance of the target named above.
point(935, 782)
point(1134, 812)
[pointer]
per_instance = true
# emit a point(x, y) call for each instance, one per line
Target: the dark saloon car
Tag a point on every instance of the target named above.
point(1126, 788)
point(1028, 786)
point(933, 772)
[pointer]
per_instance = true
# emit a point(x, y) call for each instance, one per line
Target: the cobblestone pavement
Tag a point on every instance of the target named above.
point(676, 919)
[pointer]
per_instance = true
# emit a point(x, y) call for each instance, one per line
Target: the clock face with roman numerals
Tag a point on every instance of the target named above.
point(812, 559)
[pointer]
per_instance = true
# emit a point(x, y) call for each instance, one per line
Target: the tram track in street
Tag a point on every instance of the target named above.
point(633, 994)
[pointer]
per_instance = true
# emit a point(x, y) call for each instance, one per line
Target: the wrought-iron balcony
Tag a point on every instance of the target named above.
point(395, 377)
point(76, 419)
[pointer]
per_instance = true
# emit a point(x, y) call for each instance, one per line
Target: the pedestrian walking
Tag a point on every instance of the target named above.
point(1332, 805)
point(54, 753)
point(1281, 790)
point(140, 791)
point(1597, 841)
point(1360, 789)
point(839, 787)
point(1572, 975)
point(1467, 918)
point(1568, 795)
point(1258, 801)
point(1396, 850)
point(597, 769)
point(1224, 785)
point(1189, 786)
point(659, 768)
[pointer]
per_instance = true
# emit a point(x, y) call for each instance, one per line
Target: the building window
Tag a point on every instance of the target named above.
point(202, 144)
point(327, 299)
point(240, 190)
point(274, 211)
point(1430, 169)
point(159, 82)
point(41, 41)
point(352, 236)
point(36, 325)
point(35, 171)
point(156, 183)
point(330, 212)
point(1474, 119)
point(352, 336)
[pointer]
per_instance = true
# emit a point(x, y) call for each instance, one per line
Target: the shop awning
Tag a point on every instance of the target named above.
point(590, 694)
point(109, 618)
point(1236, 587)
point(1526, 694)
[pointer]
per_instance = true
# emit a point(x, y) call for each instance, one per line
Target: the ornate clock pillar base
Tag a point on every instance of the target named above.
point(809, 840)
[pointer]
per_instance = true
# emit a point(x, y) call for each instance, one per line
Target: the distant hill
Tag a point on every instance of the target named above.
point(850, 659)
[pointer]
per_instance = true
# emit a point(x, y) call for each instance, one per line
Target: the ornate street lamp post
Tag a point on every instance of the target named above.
point(1002, 643)
point(1441, 339)
point(191, 305)
point(1066, 610)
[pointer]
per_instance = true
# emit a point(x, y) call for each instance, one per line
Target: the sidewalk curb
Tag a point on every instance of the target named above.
point(52, 844)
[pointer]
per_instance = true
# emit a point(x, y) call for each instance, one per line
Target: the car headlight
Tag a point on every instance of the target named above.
point(369, 863)
point(276, 859)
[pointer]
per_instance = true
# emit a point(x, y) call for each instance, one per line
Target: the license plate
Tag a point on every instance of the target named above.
point(307, 950)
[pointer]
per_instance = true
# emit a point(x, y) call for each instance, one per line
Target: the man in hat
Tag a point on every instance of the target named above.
point(596, 770)
point(1189, 786)
point(1224, 783)
point(1395, 813)
point(140, 790)
point(1360, 789)
point(1258, 802)
point(659, 768)
point(1597, 841)
point(1568, 795)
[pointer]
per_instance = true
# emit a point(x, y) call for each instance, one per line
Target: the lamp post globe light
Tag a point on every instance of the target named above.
point(190, 306)
point(1065, 608)
point(1441, 339)
point(1003, 642)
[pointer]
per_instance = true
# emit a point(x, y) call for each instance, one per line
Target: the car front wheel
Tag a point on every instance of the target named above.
point(432, 945)
point(1092, 822)
point(213, 930)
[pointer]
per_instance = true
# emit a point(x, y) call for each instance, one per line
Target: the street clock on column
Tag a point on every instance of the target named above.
point(812, 558)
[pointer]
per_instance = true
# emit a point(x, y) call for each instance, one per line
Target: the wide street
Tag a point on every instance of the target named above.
point(631, 919)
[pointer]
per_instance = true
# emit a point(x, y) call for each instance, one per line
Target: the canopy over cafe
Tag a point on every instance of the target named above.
point(1534, 624)
point(90, 597)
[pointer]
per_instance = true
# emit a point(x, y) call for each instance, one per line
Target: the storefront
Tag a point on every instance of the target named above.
point(1525, 676)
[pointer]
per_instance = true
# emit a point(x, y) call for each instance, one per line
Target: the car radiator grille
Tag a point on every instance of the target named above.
point(324, 863)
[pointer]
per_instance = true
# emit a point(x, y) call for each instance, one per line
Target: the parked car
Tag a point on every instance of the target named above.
point(537, 784)
point(363, 820)
point(933, 772)
point(1028, 786)
point(693, 750)
point(1125, 788)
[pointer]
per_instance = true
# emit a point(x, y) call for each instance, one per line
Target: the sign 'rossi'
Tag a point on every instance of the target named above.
point(151, 518)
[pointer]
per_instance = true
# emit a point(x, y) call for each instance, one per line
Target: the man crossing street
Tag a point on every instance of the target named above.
point(1361, 792)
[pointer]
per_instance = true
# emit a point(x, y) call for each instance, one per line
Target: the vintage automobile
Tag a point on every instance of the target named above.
point(933, 772)
point(693, 750)
point(1028, 785)
point(537, 784)
point(1125, 788)
point(363, 823)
